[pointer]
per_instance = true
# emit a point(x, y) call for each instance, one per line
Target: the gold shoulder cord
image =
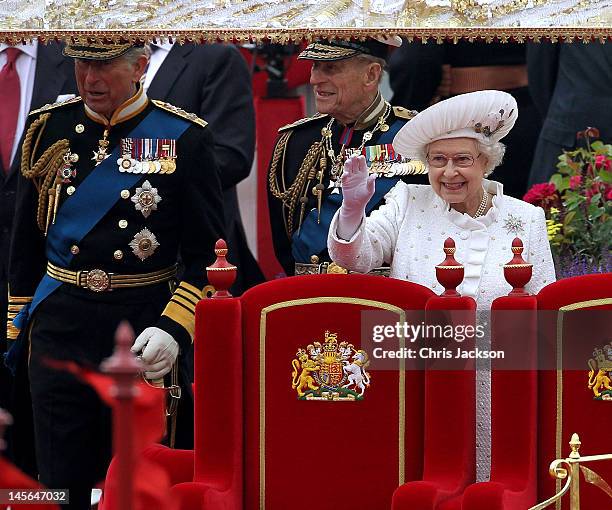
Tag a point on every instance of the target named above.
point(298, 190)
point(43, 173)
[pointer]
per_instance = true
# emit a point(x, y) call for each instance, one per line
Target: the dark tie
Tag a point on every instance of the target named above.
point(10, 99)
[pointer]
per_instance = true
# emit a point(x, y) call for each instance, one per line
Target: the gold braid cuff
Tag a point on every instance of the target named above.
point(181, 307)
point(43, 173)
point(298, 190)
point(15, 305)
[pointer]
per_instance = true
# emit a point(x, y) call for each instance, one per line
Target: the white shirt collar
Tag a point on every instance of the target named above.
point(162, 46)
point(30, 48)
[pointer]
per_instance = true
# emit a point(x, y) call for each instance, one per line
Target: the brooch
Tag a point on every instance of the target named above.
point(514, 224)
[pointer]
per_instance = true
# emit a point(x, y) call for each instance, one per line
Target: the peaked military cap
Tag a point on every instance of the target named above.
point(341, 49)
point(104, 50)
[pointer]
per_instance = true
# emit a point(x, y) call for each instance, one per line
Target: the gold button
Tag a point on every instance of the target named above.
point(123, 223)
point(74, 249)
point(118, 254)
point(70, 190)
point(125, 193)
point(79, 128)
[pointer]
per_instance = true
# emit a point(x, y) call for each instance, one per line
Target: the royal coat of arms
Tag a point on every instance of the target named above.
point(600, 372)
point(330, 371)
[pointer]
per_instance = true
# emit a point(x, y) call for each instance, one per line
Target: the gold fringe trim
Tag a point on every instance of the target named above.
point(292, 35)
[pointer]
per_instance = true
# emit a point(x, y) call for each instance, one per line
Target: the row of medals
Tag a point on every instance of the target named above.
point(159, 166)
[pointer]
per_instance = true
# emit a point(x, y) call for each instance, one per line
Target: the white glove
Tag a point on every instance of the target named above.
point(357, 190)
point(159, 352)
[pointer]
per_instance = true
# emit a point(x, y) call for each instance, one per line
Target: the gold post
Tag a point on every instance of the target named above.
point(569, 469)
point(575, 472)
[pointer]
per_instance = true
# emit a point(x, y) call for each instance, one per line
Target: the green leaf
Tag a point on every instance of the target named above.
point(556, 179)
point(605, 176)
point(569, 217)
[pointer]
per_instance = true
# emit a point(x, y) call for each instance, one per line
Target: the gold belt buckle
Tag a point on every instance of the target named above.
point(97, 280)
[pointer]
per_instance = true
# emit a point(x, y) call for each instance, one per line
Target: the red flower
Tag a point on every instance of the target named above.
point(603, 163)
point(575, 181)
point(541, 194)
point(598, 187)
point(609, 195)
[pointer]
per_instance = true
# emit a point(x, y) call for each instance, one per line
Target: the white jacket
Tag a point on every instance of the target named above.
point(409, 230)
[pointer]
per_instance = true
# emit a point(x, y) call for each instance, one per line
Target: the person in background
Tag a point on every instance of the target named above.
point(213, 81)
point(460, 140)
point(304, 173)
point(31, 75)
point(570, 84)
point(423, 74)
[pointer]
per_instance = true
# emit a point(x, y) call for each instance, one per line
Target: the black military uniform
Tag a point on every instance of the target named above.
point(213, 81)
point(308, 157)
point(162, 195)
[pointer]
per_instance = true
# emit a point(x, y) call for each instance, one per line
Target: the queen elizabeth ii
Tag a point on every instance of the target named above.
point(459, 139)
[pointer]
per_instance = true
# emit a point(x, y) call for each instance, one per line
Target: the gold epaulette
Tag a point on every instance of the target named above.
point(51, 106)
point(404, 113)
point(181, 113)
point(302, 121)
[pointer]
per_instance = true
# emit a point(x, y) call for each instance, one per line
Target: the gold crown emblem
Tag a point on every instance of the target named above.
point(331, 341)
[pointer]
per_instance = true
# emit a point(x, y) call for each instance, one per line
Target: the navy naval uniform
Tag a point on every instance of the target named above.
point(123, 231)
point(301, 237)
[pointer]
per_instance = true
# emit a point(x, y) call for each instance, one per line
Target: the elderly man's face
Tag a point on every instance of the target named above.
point(105, 84)
point(459, 181)
point(344, 88)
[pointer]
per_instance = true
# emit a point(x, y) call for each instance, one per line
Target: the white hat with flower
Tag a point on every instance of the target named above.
point(486, 115)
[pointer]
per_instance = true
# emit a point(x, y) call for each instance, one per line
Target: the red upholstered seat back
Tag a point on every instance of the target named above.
point(565, 402)
point(304, 454)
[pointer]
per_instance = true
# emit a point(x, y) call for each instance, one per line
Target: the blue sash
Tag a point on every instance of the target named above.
point(93, 199)
point(311, 238)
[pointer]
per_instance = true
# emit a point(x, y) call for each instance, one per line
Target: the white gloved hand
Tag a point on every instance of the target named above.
point(159, 352)
point(357, 190)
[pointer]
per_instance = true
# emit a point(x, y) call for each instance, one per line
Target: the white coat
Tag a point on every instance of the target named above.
point(409, 230)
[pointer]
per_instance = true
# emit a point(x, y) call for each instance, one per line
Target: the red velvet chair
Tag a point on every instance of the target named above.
point(299, 453)
point(449, 442)
point(513, 478)
point(574, 321)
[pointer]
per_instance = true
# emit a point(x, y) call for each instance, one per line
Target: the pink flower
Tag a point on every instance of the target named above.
point(598, 187)
point(541, 194)
point(575, 181)
point(603, 163)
